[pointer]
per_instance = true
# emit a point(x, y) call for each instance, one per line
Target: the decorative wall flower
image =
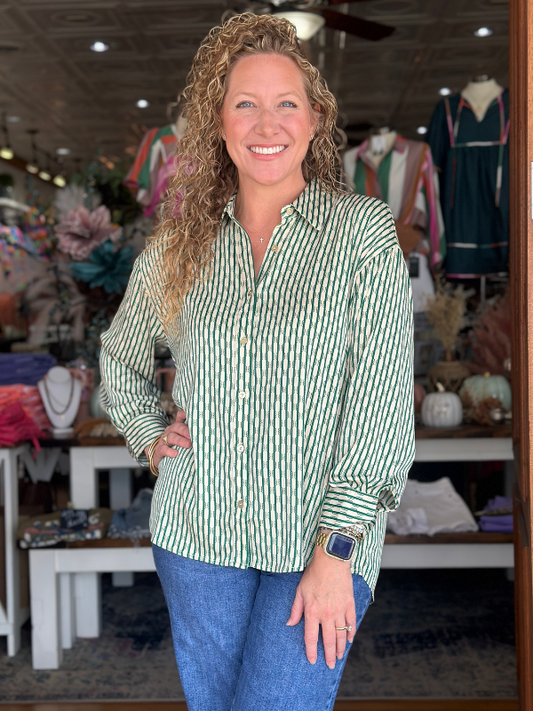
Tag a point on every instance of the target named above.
point(80, 231)
point(107, 268)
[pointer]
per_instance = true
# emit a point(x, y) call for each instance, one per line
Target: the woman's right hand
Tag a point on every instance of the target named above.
point(177, 434)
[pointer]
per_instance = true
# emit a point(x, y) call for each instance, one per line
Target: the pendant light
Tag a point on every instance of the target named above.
point(33, 167)
point(6, 151)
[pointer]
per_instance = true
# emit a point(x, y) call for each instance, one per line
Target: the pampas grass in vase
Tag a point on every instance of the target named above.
point(445, 312)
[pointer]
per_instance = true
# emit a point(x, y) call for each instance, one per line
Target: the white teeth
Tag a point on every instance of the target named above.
point(267, 151)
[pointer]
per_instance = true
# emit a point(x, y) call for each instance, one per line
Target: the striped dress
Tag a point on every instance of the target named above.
point(297, 386)
point(407, 181)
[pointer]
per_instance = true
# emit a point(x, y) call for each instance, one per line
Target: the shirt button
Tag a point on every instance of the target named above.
point(289, 210)
point(244, 340)
point(250, 293)
point(240, 504)
point(240, 448)
point(274, 248)
point(242, 394)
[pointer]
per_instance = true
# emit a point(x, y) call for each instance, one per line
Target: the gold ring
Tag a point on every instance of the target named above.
point(164, 438)
point(347, 627)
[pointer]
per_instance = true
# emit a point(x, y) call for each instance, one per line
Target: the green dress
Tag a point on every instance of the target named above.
point(473, 159)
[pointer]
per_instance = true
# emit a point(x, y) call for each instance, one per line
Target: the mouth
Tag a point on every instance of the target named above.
point(267, 150)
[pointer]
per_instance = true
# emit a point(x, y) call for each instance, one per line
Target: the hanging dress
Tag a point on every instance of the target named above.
point(406, 180)
point(473, 158)
point(149, 176)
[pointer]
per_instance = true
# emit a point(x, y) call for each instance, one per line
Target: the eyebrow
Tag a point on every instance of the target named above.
point(286, 93)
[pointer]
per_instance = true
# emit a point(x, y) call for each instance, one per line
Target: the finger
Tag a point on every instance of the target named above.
point(351, 621)
point(179, 429)
point(311, 638)
point(329, 637)
point(297, 609)
point(181, 415)
point(341, 639)
point(176, 439)
point(163, 451)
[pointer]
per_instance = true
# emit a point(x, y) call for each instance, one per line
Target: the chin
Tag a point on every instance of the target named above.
point(270, 176)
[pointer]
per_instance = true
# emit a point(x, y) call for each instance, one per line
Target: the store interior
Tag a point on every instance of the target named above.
point(90, 125)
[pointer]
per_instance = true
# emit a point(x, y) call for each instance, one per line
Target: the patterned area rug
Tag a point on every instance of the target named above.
point(429, 634)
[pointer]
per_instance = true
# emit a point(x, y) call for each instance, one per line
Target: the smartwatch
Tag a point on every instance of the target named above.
point(337, 545)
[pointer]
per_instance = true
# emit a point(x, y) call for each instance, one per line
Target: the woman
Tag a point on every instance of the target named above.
point(286, 304)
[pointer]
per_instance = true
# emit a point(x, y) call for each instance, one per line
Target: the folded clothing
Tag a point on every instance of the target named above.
point(445, 511)
point(133, 522)
point(30, 399)
point(16, 426)
point(501, 521)
point(24, 368)
point(64, 526)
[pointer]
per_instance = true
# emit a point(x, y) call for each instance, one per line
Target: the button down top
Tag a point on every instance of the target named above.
point(328, 420)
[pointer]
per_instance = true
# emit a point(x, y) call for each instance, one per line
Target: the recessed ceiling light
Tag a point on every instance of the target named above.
point(483, 32)
point(43, 175)
point(13, 119)
point(445, 91)
point(99, 46)
point(6, 153)
point(422, 130)
point(32, 168)
point(63, 151)
point(60, 181)
point(142, 104)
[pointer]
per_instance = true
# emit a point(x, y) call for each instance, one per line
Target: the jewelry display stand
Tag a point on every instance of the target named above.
point(61, 395)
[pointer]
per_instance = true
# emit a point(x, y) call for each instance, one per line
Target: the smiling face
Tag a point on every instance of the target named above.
point(267, 119)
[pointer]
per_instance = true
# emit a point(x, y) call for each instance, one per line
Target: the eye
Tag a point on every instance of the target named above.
point(291, 103)
point(244, 102)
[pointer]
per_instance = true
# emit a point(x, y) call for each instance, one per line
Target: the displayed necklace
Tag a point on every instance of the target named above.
point(60, 413)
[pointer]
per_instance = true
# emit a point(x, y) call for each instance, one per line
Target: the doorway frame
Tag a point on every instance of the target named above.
point(521, 271)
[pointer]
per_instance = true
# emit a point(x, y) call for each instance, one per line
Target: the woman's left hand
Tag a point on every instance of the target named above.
point(325, 598)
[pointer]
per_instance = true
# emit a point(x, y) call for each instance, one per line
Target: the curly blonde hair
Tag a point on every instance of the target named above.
point(205, 176)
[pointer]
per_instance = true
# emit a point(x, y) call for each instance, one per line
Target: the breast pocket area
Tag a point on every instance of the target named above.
point(316, 316)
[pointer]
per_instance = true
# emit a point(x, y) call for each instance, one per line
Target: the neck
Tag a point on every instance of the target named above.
point(258, 204)
point(480, 95)
point(380, 145)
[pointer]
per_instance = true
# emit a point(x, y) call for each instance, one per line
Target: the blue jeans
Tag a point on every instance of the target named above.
point(233, 648)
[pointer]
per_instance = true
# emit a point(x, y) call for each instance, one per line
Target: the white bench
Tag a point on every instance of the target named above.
point(60, 580)
point(65, 583)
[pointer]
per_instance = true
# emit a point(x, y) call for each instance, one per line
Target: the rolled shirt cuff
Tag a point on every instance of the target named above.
point(142, 430)
point(344, 507)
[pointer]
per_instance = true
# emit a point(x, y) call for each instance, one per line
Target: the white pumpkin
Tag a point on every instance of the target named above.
point(442, 409)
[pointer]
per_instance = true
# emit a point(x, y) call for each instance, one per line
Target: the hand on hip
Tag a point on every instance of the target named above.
point(177, 435)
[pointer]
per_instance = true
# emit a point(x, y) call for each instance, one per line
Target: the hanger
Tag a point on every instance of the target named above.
point(479, 78)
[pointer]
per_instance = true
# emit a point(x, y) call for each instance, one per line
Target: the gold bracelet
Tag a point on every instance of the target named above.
point(150, 455)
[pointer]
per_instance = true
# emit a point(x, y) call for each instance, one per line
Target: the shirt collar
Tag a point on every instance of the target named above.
point(312, 204)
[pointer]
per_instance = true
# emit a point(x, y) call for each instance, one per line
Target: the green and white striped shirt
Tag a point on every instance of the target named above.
point(297, 387)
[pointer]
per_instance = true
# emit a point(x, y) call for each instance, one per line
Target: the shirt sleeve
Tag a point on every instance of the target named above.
point(130, 394)
point(375, 445)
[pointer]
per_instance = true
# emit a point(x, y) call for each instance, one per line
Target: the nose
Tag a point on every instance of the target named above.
point(267, 124)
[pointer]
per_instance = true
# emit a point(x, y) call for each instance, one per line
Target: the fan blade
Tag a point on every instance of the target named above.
point(366, 29)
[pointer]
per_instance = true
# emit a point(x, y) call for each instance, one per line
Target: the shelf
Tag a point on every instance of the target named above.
point(439, 538)
point(464, 432)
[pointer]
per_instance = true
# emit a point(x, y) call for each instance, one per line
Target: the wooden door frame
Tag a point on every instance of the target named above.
point(521, 273)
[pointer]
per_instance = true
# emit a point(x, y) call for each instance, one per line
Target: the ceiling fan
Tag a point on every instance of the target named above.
point(309, 16)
